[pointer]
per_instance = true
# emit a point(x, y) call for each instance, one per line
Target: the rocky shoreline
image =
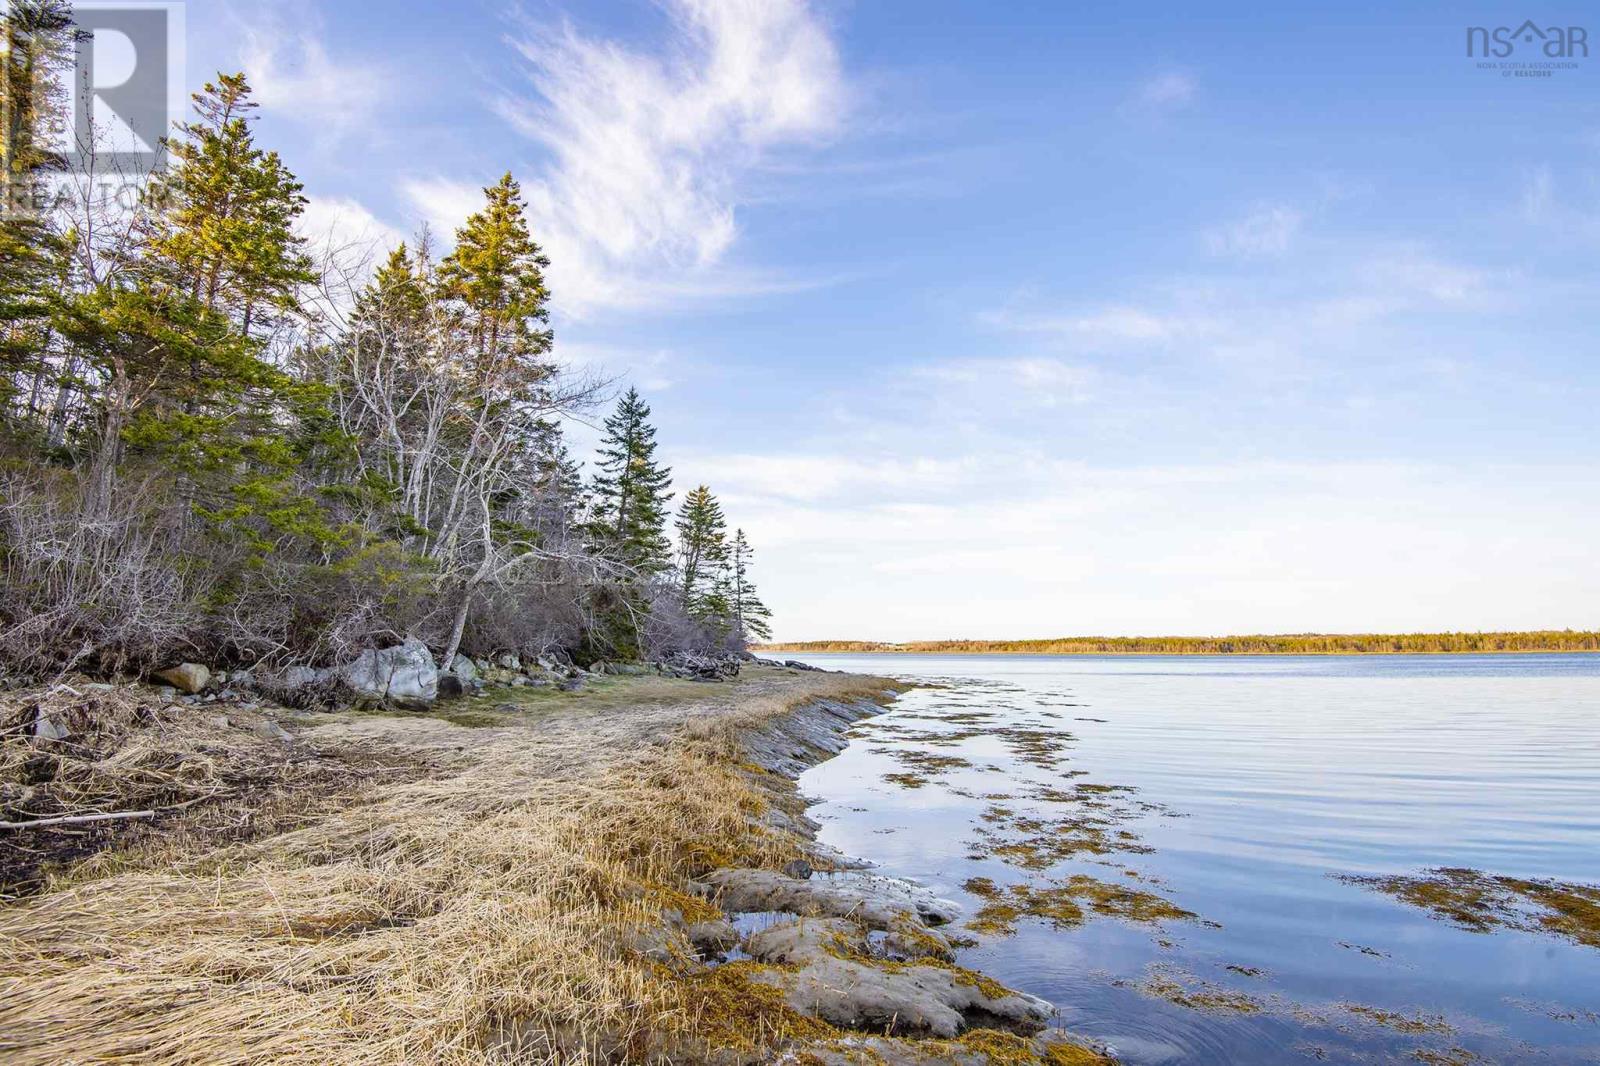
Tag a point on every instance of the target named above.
point(622, 871)
point(861, 951)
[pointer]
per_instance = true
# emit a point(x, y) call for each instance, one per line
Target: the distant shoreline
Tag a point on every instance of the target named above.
point(1285, 644)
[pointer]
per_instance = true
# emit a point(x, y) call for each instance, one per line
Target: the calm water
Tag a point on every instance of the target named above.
point(1258, 779)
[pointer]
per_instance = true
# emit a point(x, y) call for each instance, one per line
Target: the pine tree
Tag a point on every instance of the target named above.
point(554, 495)
point(185, 381)
point(496, 276)
point(35, 53)
point(630, 491)
point(750, 615)
point(702, 553)
point(225, 229)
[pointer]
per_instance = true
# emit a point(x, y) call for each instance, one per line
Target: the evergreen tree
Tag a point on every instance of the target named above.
point(702, 553)
point(224, 231)
point(169, 334)
point(630, 491)
point(35, 52)
point(750, 615)
point(496, 277)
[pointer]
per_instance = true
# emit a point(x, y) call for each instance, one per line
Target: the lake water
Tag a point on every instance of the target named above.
point(1242, 789)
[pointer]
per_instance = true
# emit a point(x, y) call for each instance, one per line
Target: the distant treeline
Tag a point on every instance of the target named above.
point(1288, 644)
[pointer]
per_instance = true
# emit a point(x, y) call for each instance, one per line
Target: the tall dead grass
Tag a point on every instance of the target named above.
point(487, 916)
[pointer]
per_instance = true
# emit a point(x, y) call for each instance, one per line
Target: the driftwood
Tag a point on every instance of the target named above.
point(79, 819)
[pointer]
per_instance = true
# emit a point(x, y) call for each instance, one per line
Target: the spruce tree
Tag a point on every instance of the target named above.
point(224, 232)
point(35, 54)
point(186, 382)
point(496, 277)
point(630, 491)
point(750, 615)
point(702, 553)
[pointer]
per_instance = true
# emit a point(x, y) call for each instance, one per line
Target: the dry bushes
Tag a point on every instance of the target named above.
point(86, 767)
point(492, 915)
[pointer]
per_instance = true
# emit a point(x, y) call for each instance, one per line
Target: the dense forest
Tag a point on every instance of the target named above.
point(219, 441)
point(1290, 644)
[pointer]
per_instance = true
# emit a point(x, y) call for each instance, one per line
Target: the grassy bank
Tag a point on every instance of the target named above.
point(511, 891)
point(1562, 640)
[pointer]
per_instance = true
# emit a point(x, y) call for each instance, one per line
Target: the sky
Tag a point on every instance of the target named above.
point(1028, 319)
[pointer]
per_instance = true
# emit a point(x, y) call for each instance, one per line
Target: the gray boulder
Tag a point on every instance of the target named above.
point(49, 729)
point(463, 668)
point(874, 901)
point(186, 677)
point(402, 674)
point(830, 972)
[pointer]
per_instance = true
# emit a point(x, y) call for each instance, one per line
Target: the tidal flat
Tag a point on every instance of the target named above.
point(1253, 859)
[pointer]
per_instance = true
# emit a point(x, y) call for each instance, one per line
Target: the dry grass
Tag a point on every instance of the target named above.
point(493, 914)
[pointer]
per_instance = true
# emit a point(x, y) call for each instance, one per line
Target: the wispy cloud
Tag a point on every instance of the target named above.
point(647, 148)
point(1168, 90)
point(1266, 231)
point(1038, 381)
point(442, 204)
point(283, 53)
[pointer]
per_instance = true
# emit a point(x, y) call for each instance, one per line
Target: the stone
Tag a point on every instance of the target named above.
point(186, 677)
point(403, 674)
point(508, 661)
point(830, 974)
point(267, 729)
point(49, 729)
point(464, 668)
point(874, 901)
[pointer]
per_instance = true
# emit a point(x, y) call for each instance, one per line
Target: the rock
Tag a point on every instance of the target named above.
point(830, 974)
point(888, 1051)
point(186, 677)
point(508, 661)
point(48, 729)
point(267, 729)
point(464, 669)
point(403, 674)
point(712, 937)
point(877, 902)
point(696, 667)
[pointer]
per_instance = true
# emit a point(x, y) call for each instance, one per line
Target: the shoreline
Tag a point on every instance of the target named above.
point(797, 649)
point(550, 875)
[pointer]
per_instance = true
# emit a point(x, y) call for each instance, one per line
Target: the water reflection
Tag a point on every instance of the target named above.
point(1160, 843)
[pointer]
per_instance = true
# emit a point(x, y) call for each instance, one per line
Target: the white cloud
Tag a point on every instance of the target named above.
point(1032, 380)
point(652, 370)
point(1170, 89)
point(1008, 546)
point(1266, 231)
point(647, 148)
point(443, 204)
point(294, 76)
point(343, 224)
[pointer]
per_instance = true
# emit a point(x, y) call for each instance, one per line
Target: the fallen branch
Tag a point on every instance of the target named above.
point(77, 819)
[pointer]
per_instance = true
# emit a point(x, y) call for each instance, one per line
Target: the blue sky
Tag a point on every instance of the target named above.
point(1029, 319)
